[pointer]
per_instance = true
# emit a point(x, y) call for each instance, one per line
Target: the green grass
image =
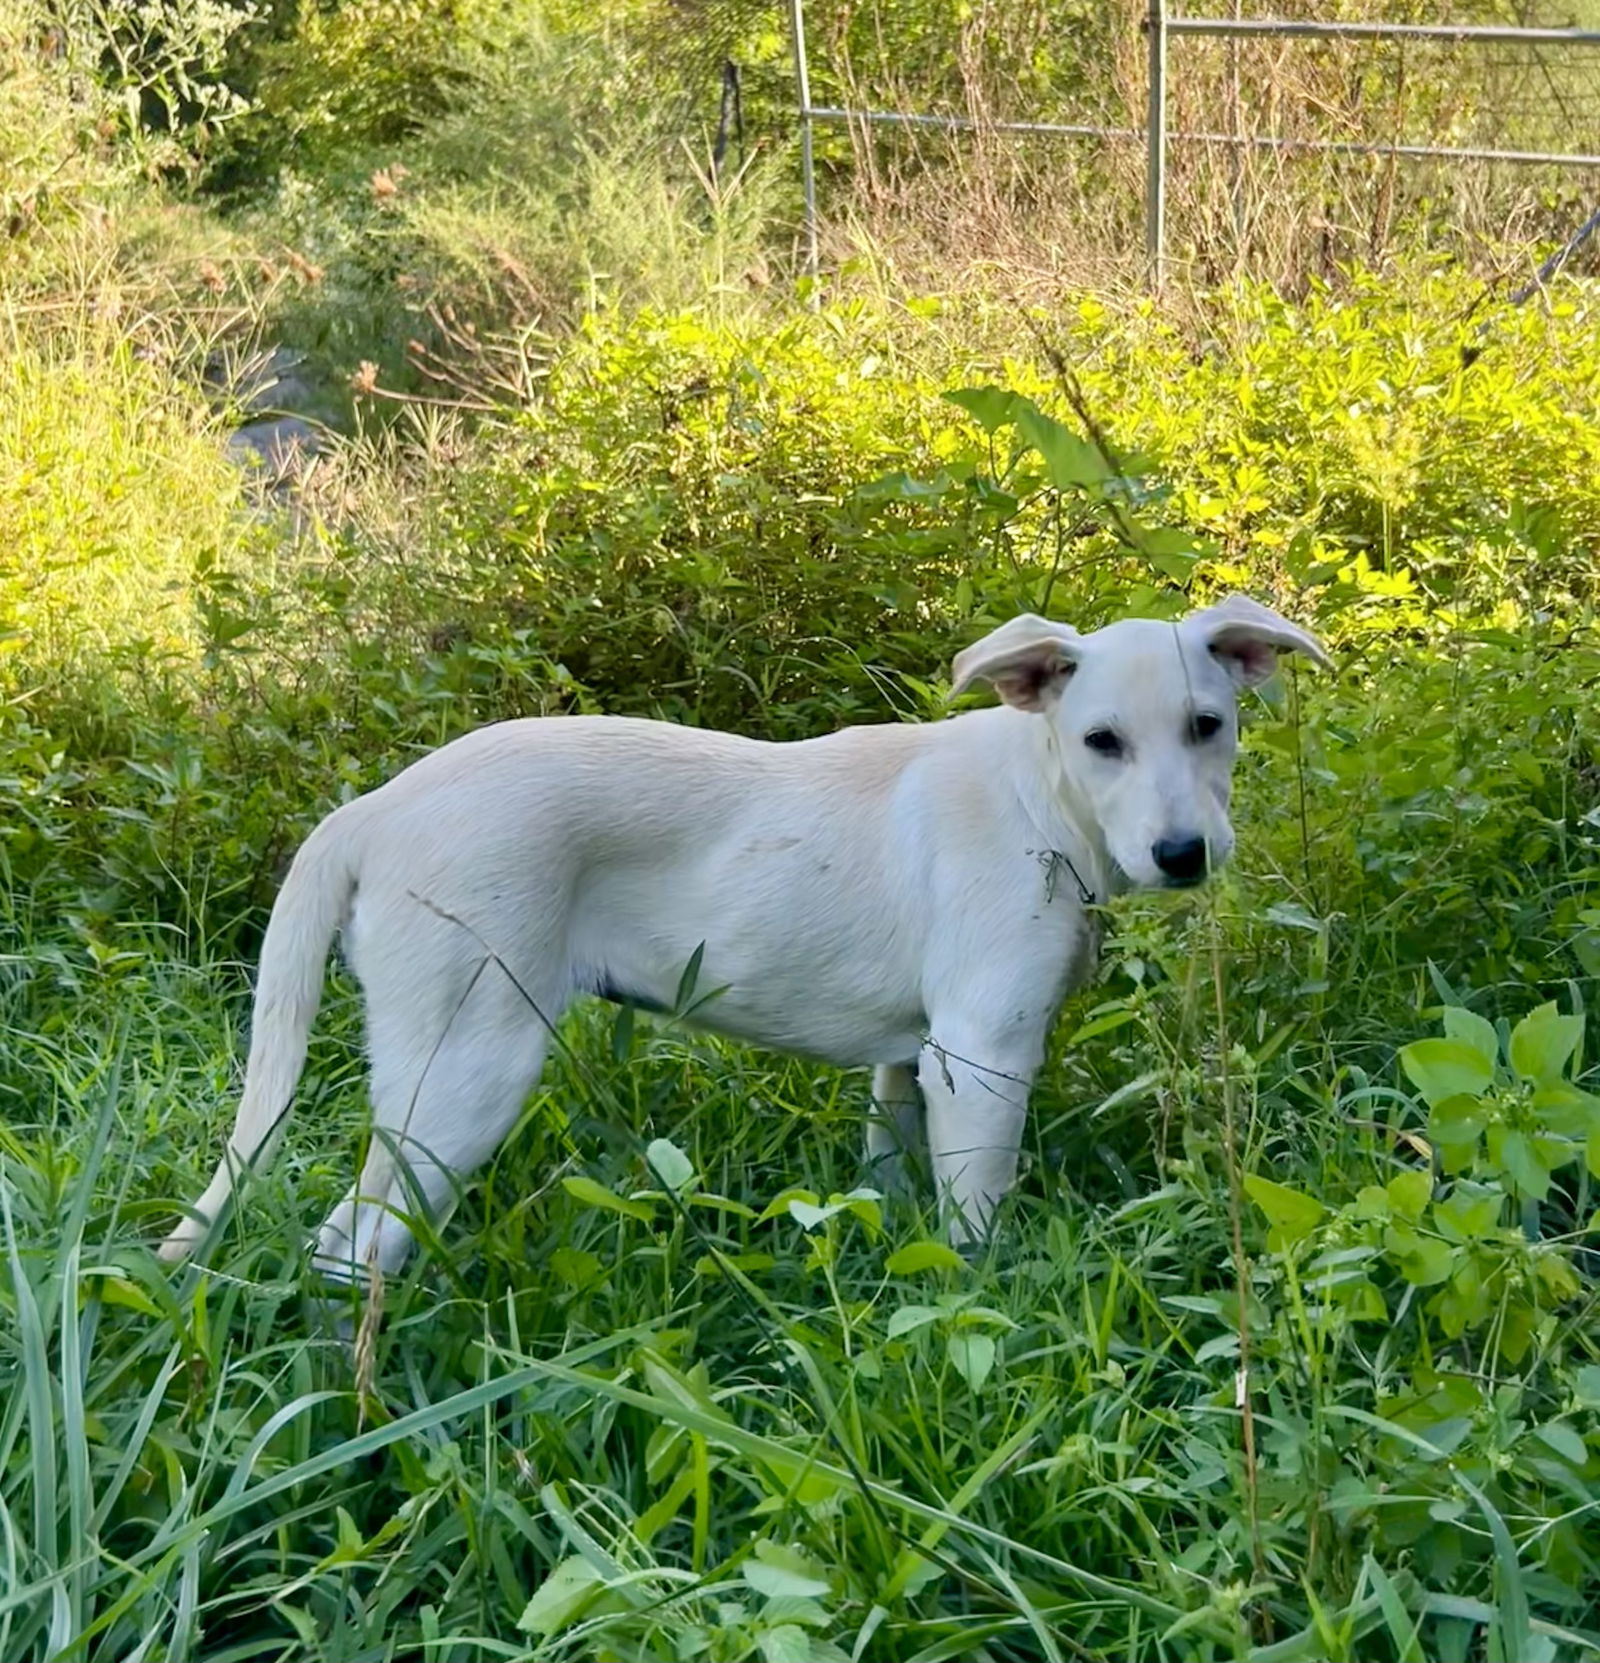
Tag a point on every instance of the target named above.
point(694, 1427)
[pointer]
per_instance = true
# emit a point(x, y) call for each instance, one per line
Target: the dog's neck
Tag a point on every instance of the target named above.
point(1075, 833)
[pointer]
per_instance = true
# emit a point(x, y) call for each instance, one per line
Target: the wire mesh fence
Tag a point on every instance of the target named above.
point(1271, 144)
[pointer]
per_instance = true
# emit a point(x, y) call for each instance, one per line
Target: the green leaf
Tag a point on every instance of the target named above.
point(991, 407)
point(1069, 462)
point(1517, 1155)
point(783, 1572)
point(1372, 1201)
point(562, 1598)
point(789, 1643)
point(1455, 1158)
point(1469, 1213)
point(1171, 550)
point(1566, 1111)
point(866, 1204)
point(1471, 1029)
point(778, 1206)
point(909, 1318)
point(688, 980)
point(901, 487)
point(1444, 1068)
point(575, 1267)
point(971, 1354)
point(1409, 1193)
point(1591, 1153)
point(1565, 1440)
point(924, 1255)
point(671, 1167)
point(1556, 1280)
point(1422, 1260)
point(1542, 1042)
point(1291, 1215)
point(1457, 1120)
point(592, 1194)
point(808, 1214)
point(1363, 1302)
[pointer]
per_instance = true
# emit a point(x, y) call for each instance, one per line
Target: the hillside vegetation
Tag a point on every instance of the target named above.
point(1288, 1346)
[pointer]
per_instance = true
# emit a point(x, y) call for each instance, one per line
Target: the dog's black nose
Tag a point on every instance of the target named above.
point(1181, 859)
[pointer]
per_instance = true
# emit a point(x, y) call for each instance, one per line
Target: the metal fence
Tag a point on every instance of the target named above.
point(1160, 29)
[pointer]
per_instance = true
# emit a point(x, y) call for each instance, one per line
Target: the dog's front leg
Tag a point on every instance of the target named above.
point(976, 1092)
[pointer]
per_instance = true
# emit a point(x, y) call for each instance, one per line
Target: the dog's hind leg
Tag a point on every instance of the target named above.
point(894, 1133)
point(442, 1104)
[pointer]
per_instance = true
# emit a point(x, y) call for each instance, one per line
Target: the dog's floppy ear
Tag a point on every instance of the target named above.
point(1246, 638)
point(1028, 660)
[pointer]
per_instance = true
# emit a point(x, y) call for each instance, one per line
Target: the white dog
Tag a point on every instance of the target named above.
point(910, 896)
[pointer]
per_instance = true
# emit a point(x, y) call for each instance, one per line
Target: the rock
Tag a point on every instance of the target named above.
point(264, 383)
point(278, 450)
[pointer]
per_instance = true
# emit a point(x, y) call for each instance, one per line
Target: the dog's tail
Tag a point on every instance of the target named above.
point(313, 903)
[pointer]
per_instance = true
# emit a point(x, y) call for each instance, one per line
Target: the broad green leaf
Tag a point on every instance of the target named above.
point(562, 1598)
point(1372, 1201)
point(1558, 1281)
point(1565, 1440)
point(1422, 1260)
point(990, 407)
point(1586, 1385)
point(1471, 1029)
point(1171, 550)
point(1469, 1213)
point(923, 1255)
point(1455, 1157)
point(1068, 460)
point(1517, 1155)
point(1516, 1330)
point(778, 1206)
point(575, 1267)
point(1463, 1302)
point(1291, 1215)
point(1566, 1111)
point(1363, 1302)
point(1458, 1119)
point(1444, 1068)
point(808, 1214)
point(866, 1204)
point(592, 1194)
point(1409, 1193)
point(909, 1318)
point(668, 1163)
point(972, 1356)
point(779, 1571)
point(789, 1643)
point(1542, 1042)
point(1591, 1153)
point(901, 487)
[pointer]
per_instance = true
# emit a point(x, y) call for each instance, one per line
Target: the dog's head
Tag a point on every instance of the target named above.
point(1145, 718)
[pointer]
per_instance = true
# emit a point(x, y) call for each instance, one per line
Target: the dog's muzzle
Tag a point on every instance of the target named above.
point(1182, 861)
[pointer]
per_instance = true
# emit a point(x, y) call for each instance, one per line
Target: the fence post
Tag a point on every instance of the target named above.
point(1155, 197)
point(808, 176)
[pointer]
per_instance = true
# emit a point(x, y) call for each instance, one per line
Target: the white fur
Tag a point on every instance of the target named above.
point(910, 896)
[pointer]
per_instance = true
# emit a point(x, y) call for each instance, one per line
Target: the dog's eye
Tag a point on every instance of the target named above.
point(1103, 741)
point(1206, 725)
